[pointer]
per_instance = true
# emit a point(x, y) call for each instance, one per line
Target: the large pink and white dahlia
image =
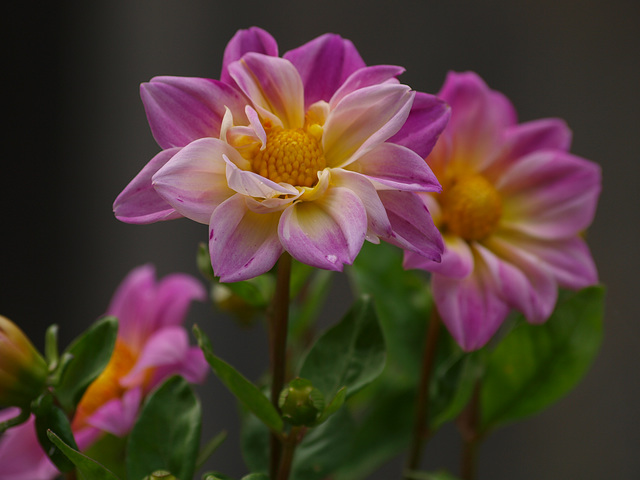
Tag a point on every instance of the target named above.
point(512, 210)
point(311, 154)
point(151, 346)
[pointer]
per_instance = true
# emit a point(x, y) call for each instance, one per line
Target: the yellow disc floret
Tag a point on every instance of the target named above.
point(292, 156)
point(471, 207)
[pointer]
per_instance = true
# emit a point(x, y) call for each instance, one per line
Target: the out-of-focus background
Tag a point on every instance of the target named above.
point(75, 134)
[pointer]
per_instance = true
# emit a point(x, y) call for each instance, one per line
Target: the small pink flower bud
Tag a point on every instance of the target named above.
point(23, 371)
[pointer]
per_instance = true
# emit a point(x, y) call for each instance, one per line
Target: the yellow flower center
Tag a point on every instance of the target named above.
point(107, 386)
point(471, 207)
point(292, 156)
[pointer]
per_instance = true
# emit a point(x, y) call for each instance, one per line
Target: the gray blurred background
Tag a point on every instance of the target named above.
point(77, 134)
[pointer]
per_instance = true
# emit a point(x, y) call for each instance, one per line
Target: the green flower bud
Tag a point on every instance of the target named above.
point(301, 403)
point(160, 475)
point(23, 371)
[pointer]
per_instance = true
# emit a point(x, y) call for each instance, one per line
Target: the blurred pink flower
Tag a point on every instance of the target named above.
point(151, 346)
point(512, 210)
point(311, 153)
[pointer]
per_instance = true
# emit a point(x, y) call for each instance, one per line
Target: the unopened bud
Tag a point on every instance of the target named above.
point(23, 371)
point(301, 403)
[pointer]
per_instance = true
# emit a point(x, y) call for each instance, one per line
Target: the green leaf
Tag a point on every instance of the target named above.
point(307, 305)
point(256, 476)
point(166, 435)
point(91, 353)
point(216, 476)
point(402, 302)
point(324, 448)
point(51, 417)
point(110, 451)
point(350, 354)
point(208, 450)
point(88, 468)
point(535, 365)
point(245, 391)
point(383, 431)
point(454, 376)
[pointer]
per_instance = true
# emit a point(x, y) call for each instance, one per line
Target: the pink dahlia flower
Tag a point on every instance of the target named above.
point(151, 346)
point(512, 209)
point(311, 154)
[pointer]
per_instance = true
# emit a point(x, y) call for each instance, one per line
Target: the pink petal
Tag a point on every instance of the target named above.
point(21, 456)
point(167, 346)
point(427, 119)
point(457, 259)
point(550, 194)
point(253, 39)
point(183, 109)
point(395, 167)
point(413, 227)
point(363, 120)
point(324, 64)
point(378, 224)
point(132, 305)
point(274, 86)
point(326, 233)
point(471, 308)
point(194, 181)
point(139, 202)
point(366, 77)
point(243, 244)
point(521, 281)
point(193, 368)
point(174, 294)
point(568, 260)
point(254, 185)
point(118, 416)
point(478, 117)
point(526, 138)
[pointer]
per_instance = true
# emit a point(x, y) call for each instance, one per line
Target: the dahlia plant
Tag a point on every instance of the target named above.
point(293, 162)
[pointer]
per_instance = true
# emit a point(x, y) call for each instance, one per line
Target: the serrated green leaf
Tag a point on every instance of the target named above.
point(350, 354)
point(245, 391)
point(91, 353)
point(402, 302)
point(535, 365)
point(88, 469)
point(166, 435)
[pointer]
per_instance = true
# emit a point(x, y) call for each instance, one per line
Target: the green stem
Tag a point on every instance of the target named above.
point(278, 325)
point(22, 417)
point(421, 430)
point(468, 425)
point(289, 447)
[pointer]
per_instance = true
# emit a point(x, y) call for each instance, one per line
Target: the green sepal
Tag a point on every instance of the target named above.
point(246, 392)
point(51, 417)
point(88, 469)
point(333, 407)
point(536, 365)
point(166, 435)
point(51, 354)
point(90, 354)
point(350, 354)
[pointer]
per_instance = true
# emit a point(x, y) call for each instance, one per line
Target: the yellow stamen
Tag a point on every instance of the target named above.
point(471, 207)
point(292, 156)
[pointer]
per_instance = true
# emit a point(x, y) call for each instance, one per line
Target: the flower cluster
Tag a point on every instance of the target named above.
point(151, 346)
point(311, 153)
